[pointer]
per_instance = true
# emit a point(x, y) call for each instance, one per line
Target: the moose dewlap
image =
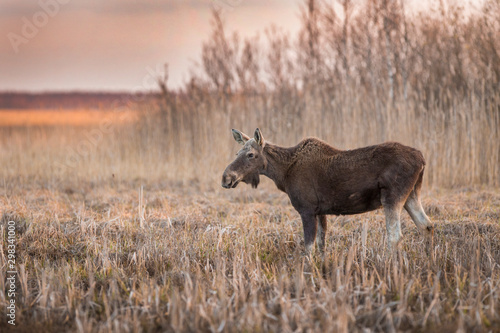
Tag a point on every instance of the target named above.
point(321, 180)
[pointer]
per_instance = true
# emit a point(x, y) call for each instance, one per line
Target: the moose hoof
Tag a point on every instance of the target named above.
point(430, 230)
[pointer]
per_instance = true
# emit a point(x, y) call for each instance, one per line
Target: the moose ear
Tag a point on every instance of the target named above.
point(240, 137)
point(258, 137)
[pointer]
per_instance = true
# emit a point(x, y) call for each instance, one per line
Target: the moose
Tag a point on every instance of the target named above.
point(321, 180)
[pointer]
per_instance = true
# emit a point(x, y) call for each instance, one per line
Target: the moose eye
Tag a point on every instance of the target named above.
point(250, 155)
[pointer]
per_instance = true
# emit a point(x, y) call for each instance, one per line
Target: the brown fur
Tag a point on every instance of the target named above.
point(321, 180)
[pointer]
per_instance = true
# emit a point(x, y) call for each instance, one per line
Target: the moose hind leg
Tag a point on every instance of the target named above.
point(414, 207)
point(321, 234)
point(392, 201)
point(393, 225)
point(310, 225)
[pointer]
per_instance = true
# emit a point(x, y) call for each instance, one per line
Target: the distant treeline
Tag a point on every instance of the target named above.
point(67, 100)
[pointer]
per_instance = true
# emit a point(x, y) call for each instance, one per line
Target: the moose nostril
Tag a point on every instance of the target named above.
point(227, 180)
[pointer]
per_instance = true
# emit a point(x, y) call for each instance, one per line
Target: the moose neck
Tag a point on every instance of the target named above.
point(279, 160)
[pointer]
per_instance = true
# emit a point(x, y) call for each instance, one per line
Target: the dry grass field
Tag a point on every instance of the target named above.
point(115, 242)
point(92, 257)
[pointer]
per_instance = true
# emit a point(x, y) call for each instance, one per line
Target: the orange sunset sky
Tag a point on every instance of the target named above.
point(109, 45)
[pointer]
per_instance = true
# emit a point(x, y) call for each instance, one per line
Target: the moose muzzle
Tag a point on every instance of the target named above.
point(229, 179)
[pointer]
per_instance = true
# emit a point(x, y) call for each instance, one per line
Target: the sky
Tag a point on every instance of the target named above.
point(117, 45)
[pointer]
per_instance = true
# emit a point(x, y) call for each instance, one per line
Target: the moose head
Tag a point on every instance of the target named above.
point(249, 162)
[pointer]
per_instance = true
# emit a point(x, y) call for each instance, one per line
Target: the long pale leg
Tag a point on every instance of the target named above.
point(414, 207)
point(393, 204)
point(393, 225)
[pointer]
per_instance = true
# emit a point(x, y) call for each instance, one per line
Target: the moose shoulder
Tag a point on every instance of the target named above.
point(321, 180)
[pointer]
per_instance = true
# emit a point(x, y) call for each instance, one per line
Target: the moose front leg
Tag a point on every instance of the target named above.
point(321, 233)
point(310, 225)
